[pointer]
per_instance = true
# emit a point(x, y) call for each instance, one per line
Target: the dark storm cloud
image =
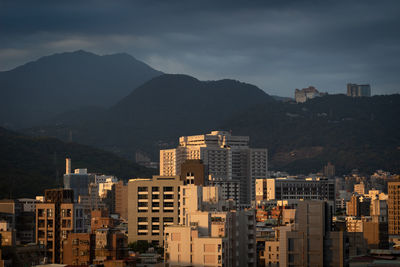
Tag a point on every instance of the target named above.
point(277, 45)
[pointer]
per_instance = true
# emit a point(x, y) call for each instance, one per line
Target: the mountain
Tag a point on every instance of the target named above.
point(361, 133)
point(54, 84)
point(28, 165)
point(155, 114)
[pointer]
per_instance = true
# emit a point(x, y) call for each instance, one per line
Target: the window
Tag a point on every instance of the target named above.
point(168, 219)
point(49, 212)
point(155, 189)
point(168, 204)
point(168, 189)
point(41, 212)
point(142, 189)
point(169, 196)
point(142, 219)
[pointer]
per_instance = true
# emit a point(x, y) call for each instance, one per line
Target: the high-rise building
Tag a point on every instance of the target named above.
point(394, 207)
point(228, 160)
point(152, 204)
point(358, 90)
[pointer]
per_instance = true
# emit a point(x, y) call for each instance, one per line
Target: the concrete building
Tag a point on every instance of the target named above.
point(20, 218)
point(78, 181)
point(358, 90)
point(358, 206)
point(359, 188)
point(394, 207)
point(296, 189)
point(57, 216)
point(228, 160)
point(121, 200)
point(207, 235)
point(152, 204)
point(193, 172)
point(329, 170)
point(78, 249)
point(310, 241)
point(304, 94)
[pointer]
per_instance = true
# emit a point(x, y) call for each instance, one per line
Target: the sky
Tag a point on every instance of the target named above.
point(276, 45)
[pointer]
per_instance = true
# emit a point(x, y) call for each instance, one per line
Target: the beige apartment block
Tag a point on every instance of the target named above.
point(152, 204)
point(214, 236)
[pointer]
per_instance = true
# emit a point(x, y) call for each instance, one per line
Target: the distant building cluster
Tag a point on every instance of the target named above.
point(214, 203)
point(353, 90)
point(305, 94)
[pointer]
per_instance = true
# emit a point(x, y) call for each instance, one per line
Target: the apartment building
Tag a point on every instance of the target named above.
point(358, 90)
point(290, 188)
point(229, 162)
point(121, 200)
point(310, 241)
point(57, 216)
point(394, 207)
point(152, 204)
point(209, 234)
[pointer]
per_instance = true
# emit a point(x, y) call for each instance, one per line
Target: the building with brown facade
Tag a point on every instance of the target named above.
point(56, 217)
point(394, 207)
point(78, 249)
point(121, 199)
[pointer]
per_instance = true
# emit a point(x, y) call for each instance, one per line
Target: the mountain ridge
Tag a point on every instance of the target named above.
point(38, 90)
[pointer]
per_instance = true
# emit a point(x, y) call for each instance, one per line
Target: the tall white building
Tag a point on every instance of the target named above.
point(229, 161)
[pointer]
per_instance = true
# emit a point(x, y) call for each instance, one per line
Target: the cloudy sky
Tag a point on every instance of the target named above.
point(276, 45)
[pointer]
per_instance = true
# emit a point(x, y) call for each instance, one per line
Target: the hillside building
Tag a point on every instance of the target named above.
point(358, 90)
point(305, 94)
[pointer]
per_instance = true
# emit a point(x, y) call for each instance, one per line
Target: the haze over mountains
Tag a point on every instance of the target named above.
point(152, 114)
point(63, 82)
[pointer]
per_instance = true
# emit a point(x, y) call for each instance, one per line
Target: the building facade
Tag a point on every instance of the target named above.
point(152, 204)
point(229, 162)
point(394, 207)
point(358, 90)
